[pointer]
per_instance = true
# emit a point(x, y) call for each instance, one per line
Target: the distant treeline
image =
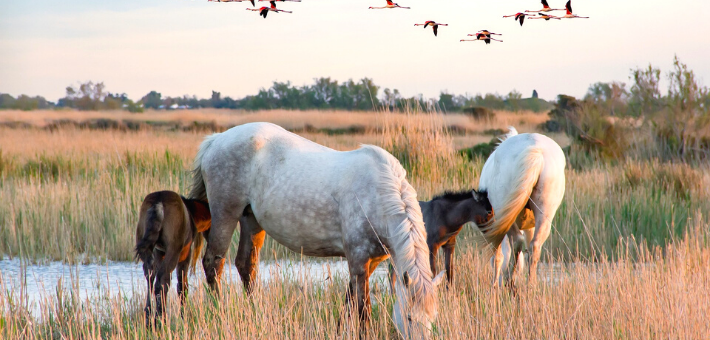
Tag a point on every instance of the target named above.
point(324, 93)
point(641, 121)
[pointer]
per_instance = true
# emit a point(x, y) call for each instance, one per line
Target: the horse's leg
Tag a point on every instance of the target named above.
point(523, 249)
point(182, 288)
point(392, 276)
point(449, 259)
point(543, 221)
point(251, 238)
point(497, 261)
point(373, 265)
point(182, 271)
point(358, 294)
point(433, 252)
point(529, 233)
point(162, 279)
point(514, 248)
point(225, 218)
point(149, 273)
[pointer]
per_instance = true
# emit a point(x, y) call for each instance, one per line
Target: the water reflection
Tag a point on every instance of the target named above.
point(36, 282)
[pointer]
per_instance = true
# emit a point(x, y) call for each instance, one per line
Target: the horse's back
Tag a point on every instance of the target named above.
point(260, 137)
point(267, 150)
point(508, 152)
point(523, 166)
point(297, 189)
point(174, 217)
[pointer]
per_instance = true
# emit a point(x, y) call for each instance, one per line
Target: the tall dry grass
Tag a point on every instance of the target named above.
point(524, 121)
point(661, 295)
point(627, 258)
point(73, 194)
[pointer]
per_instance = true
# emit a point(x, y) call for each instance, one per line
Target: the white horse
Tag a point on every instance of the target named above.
point(318, 202)
point(526, 171)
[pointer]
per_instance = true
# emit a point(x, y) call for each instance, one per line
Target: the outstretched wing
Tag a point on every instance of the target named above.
point(544, 4)
point(435, 29)
point(569, 7)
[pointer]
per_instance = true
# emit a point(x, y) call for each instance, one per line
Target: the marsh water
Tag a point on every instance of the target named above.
point(32, 283)
point(35, 282)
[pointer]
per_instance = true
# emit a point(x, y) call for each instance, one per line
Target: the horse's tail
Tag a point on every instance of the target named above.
point(153, 225)
point(528, 168)
point(511, 132)
point(197, 187)
point(197, 242)
point(408, 237)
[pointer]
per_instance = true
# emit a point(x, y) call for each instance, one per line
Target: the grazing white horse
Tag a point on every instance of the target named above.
point(318, 202)
point(526, 171)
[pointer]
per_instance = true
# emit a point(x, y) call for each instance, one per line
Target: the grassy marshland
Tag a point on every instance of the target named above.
point(629, 243)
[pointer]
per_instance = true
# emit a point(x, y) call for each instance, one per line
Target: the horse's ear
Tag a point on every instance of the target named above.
point(476, 195)
point(405, 279)
point(438, 279)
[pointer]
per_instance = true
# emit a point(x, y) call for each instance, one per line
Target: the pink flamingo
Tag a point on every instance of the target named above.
point(390, 4)
point(433, 24)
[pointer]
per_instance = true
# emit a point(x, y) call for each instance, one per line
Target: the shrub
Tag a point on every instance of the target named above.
point(479, 113)
point(590, 128)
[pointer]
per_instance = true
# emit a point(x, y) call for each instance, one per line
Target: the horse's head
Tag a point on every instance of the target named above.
point(482, 210)
point(412, 322)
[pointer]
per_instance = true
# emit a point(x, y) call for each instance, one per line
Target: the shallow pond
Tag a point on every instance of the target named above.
point(37, 282)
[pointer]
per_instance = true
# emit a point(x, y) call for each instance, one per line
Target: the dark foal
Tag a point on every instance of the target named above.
point(444, 217)
point(168, 235)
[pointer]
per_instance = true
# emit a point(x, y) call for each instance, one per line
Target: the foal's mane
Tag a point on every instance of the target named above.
point(457, 196)
point(454, 195)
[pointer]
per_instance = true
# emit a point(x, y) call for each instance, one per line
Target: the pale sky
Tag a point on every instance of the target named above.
point(179, 47)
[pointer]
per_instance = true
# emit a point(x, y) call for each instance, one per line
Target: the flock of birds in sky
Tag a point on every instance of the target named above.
point(482, 35)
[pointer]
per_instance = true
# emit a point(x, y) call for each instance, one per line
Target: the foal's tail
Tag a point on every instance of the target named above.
point(153, 225)
point(197, 242)
point(528, 168)
point(197, 187)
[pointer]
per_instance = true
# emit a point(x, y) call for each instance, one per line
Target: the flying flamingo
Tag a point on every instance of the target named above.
point(546, 8)
point(390, 4)
point(486, 32)
point(569, 12)
point(545, 16)
point(252, 1)
point(482, 36)
point(263, 11)
point(518, 16)
point(432, 24)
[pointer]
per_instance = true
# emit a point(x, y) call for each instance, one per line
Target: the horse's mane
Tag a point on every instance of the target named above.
point(408, 238)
